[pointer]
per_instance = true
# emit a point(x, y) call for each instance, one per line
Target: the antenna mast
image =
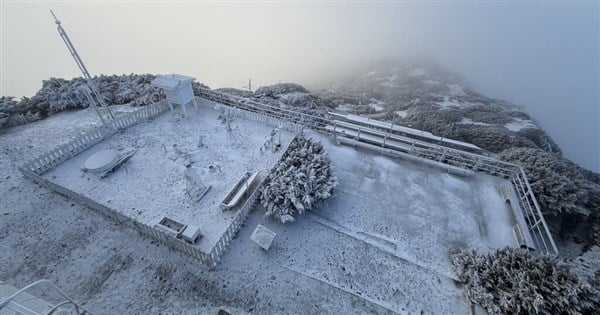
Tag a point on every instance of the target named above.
point(86, 74)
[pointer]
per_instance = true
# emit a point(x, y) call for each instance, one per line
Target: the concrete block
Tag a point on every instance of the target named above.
point(263, 237)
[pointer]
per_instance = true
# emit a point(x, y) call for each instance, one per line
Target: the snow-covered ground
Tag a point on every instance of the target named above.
point(345, 107)
point(449, 103)
point(518, 124)
point(381, 245)
point(469, 121)
point(377, 105)
point(402, 113)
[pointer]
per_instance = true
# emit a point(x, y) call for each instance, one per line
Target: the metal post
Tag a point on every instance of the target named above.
point(81, 66)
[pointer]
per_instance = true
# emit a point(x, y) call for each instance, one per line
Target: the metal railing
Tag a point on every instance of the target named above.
point(10, 305)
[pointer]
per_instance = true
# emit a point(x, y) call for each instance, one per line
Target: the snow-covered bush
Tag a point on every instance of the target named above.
point(559, 185)
point(513, 281)
point(57, 95)
point(291, 96)
point(301, 178)
point(280, 88)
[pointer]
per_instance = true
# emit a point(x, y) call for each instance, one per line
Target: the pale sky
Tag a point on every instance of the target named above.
point(541, 55)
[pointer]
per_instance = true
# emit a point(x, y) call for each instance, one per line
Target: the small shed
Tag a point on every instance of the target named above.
point(178, 89)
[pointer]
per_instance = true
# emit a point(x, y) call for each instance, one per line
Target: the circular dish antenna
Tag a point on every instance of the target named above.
point(101, 160)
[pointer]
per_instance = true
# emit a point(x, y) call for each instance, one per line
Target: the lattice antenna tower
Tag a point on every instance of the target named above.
point(93, 90)
point(249, 87)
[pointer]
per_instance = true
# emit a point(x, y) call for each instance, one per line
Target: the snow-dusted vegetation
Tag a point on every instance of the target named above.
point(292, 96)
point(57, 95)
point(301, 178)
point(564, 190)
point(512, 281)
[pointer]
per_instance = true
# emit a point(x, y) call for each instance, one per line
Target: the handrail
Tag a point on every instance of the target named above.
point(52, 285)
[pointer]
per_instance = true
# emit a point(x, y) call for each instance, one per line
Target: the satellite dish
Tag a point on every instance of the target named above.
point(101, 160)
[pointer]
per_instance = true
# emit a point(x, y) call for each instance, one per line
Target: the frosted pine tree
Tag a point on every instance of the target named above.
point(513, 281)
point(300, 179)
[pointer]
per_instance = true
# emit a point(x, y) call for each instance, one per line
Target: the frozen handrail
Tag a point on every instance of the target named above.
point(78, 308)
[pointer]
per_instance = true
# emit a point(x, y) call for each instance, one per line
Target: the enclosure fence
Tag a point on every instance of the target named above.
point(35, 168)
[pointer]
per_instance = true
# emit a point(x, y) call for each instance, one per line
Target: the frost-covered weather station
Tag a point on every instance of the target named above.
point(178, 89)
point(377, 206)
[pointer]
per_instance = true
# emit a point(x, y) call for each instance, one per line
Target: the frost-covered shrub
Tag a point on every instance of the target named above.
point(487, 114)
point(540, 139)
point(491, 138)
point(513, 281)
point(57, 95)
point(562, 189)
point(300, 179)
point(281, 88)
point(292, 96)
point(438, 122)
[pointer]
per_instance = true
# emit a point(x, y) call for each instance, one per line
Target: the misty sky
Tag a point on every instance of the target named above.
point(543, 56)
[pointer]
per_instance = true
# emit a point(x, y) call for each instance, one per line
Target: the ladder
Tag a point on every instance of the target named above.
point(94, 94)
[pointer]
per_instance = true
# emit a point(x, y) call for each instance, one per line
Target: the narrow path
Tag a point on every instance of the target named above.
point(384, 244)
point(382, 304)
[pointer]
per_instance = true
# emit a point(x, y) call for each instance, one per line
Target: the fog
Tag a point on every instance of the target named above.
point(543, 56)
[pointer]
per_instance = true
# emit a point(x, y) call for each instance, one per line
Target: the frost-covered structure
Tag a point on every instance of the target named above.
point(178, 89)
point(512, 281)
point(302, 177)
